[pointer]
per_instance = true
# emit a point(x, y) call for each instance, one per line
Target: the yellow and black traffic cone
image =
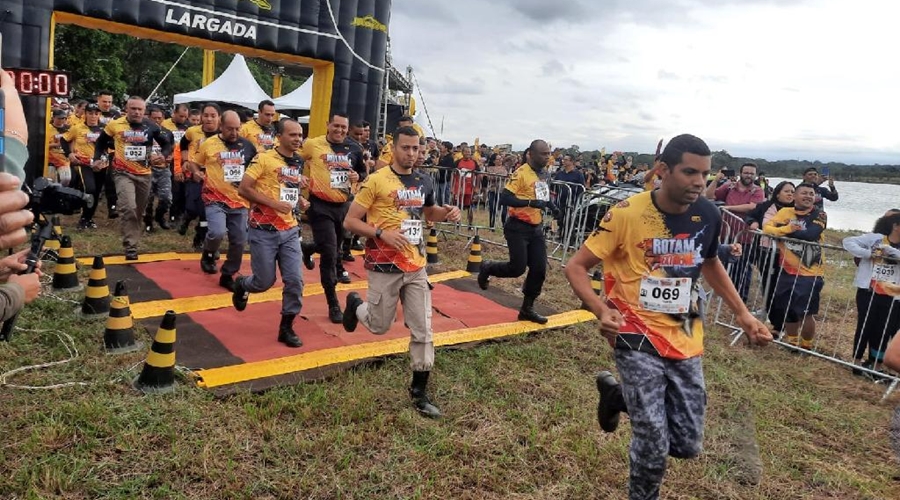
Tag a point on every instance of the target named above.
point(51, 246)
point(119, 335)
point(96, 296)
point(65, 274)
point(596, 284)
point(474, 264)
point(431, 248)
point(158, 375)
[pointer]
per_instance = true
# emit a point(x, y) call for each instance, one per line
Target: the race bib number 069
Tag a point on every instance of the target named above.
point(666, 295)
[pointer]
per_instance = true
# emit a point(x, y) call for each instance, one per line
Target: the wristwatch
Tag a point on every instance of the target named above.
point(378, 233)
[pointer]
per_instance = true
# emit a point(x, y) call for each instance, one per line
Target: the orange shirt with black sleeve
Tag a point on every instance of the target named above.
point(276, 177)
point(133, 144)
point(225, 164)
point(526, 184)
point(328, 167)
point(651, 266)
point(396, 202)
point(82, 139)
point(262, 138)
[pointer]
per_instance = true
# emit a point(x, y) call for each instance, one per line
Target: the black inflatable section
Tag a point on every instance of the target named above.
point(297, 27)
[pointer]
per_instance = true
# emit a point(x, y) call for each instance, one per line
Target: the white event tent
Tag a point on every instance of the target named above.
point(298, 100)
point(235, 85)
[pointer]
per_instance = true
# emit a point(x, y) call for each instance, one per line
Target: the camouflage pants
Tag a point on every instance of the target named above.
point(161, 185)
point(666, 402)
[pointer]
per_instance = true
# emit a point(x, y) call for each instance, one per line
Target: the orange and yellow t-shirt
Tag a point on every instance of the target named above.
point(262, 138)
point(133, 143)
point(225, 163)
point(82, 139)
point(56, 157)
point(652, 262)
point(190, 142)
point(526, 184)
point(328, 167)
point(396, 202)
point(799, 259)
point(276, 178)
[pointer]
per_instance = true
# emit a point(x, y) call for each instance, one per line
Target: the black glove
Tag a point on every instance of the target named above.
point(539, 204)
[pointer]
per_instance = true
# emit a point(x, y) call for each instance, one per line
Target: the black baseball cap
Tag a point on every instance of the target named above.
point(92, 106)
point(59, 113)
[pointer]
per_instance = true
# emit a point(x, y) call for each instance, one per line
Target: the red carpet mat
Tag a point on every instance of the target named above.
point(215, 336)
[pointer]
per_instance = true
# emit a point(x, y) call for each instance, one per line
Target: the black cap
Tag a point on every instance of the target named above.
point(92, 106)
point(59, 113)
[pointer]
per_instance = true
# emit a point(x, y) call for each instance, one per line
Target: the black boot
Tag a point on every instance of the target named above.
point(356, 244)
point(611, 401)
point(334, 307)
point(184, 225)
point(226, 281)
point(419, 397)
point(148, 218)
point(160, 217)
point(208, 263)
point(200, 237)
point(239, 295)
point(350, 318)
point(286, 333)
point(484, 276)
point(308, 249)
point(527, 312)
point(346, 256)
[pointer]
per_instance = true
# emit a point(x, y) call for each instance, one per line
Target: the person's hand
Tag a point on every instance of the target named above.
point(179, 177)
point(97, 165)
point(611, 321)
point(538, 204)
point(157, 160)
point(454, 214)
point(756, 330)
point(736, 250)
point(830, 181)
point(283, 207)
point(303, 203)
point(199, 176)
point(755, 226)
point(13, 218)
point(14, 263)
point(30, 282)
point(353, 176)
point(394, 239)
point(553, 210)
point(796, 226)
point(73, 159)
point(303, 182)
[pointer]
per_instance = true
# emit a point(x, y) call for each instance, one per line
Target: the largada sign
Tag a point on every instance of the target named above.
point(344, 43)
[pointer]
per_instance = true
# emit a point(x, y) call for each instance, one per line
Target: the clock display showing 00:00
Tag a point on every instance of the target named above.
point(38, 82)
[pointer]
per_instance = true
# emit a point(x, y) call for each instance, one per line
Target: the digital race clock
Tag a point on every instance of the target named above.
point(41, 82)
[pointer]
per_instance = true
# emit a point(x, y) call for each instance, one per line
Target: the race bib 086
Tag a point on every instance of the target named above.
point(666, 295)
point(290, 195)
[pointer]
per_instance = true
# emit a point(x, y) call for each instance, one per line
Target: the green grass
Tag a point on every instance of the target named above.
point(520, 422)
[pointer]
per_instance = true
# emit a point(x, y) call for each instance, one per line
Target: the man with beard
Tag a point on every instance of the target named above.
point(261, 132)
point(654, 247)
point(796, 299)
point(333, 162)
point(527, 194)
point(78, 143)
point(739, 198)
point(272, 185)
point(224, 159)
point(393, 202)
point(132, 136)
point(56, 157)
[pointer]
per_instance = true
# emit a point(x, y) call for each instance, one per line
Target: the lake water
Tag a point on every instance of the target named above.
point(860, 204)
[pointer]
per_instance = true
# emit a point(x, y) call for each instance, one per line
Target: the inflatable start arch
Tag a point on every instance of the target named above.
point(344, 41)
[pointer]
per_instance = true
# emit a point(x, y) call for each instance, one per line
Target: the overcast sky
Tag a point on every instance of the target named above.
point(808, 79)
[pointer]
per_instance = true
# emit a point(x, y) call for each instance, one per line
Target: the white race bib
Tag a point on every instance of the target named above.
point(135, 153)
point(178, 135)
point(666, 295)
point(234, 173)
point(541, 191)
point(340, 179)
point(290, 195)
point(886, 273)
point(412, 230)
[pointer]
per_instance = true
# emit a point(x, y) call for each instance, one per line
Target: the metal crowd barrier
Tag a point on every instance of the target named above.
point(757, 273)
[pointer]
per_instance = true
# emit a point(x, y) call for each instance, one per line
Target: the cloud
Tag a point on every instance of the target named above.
point(553, 68)
point(456, 86)
point(544, 12)
point(667, 75)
